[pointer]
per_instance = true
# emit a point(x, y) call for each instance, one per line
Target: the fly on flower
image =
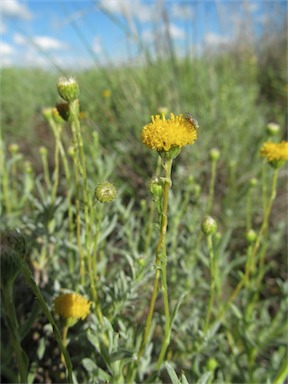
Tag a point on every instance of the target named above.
point(191, 119)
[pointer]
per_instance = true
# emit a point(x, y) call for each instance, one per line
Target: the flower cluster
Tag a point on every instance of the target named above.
point(275, 152)
point(162, 134)
point(72, 306)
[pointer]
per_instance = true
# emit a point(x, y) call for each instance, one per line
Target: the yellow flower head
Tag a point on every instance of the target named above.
point(275, 152)
point(106, 93)
point(162, 134)
point(71, 306)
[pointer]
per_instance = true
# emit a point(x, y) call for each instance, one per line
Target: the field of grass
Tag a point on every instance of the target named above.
point(220, 293)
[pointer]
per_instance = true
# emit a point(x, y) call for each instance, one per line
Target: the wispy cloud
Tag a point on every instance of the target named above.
point(176, 32)
point(15, 10)
point(135, 9)
point(97, 45)
point(6, 49)
point(214, 39)
point(183, 11)
point(45, 43)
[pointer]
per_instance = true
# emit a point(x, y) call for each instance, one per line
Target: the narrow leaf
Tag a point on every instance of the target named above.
point(172, 373)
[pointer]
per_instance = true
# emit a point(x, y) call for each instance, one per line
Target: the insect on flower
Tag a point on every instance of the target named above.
point(191, 119)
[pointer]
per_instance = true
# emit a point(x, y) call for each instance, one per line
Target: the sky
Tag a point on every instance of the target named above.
point(84, 33)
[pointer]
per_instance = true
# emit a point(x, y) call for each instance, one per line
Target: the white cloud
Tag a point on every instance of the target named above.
point(14, 9)
point(176, 32)
point(20, 39)
point(6, 54)
point(46, 43)
point(96, 45)
point(216, 40)
point(183, 11)
point(6, 49)
point(127, 8)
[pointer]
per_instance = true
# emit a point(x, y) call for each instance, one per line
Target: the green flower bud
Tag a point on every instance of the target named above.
point(196, 190)
point(14, 148)
point(251, 236)
point(105, 192)
point(190, 179)
point(47, 113)
point(56, 116)
point(43, 151)
point(28, 167)
point(71, 151)
point(63, 110)
point(68, 88)
point(272, 129)
point(214, 154)
point(155, 187)
point(143, 204)
point(218, 236)
point(212, 364)
point(253, 182)
point(12, 250)
point(141, 261)
point(209, 226)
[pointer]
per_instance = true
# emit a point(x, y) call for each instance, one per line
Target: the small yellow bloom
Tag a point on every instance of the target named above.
point(106, 93)
point(72, 305)
point(275, 151)
point(162, 134)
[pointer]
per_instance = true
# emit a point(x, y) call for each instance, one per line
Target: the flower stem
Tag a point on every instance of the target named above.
point(46, 170)
point(212, 282)
point(7, 295)
point(264, 226)
point(57, 131)
point(254, 251)
point(161, 261)
point(248, 210)
point(211, 187)
point(64, 341)
point(31, 282)
point(73, 123)
point(5, 181)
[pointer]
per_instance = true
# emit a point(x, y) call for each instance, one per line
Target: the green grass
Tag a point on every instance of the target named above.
point(247, 341)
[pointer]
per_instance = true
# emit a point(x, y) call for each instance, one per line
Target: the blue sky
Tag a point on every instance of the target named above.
point(78, 34)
